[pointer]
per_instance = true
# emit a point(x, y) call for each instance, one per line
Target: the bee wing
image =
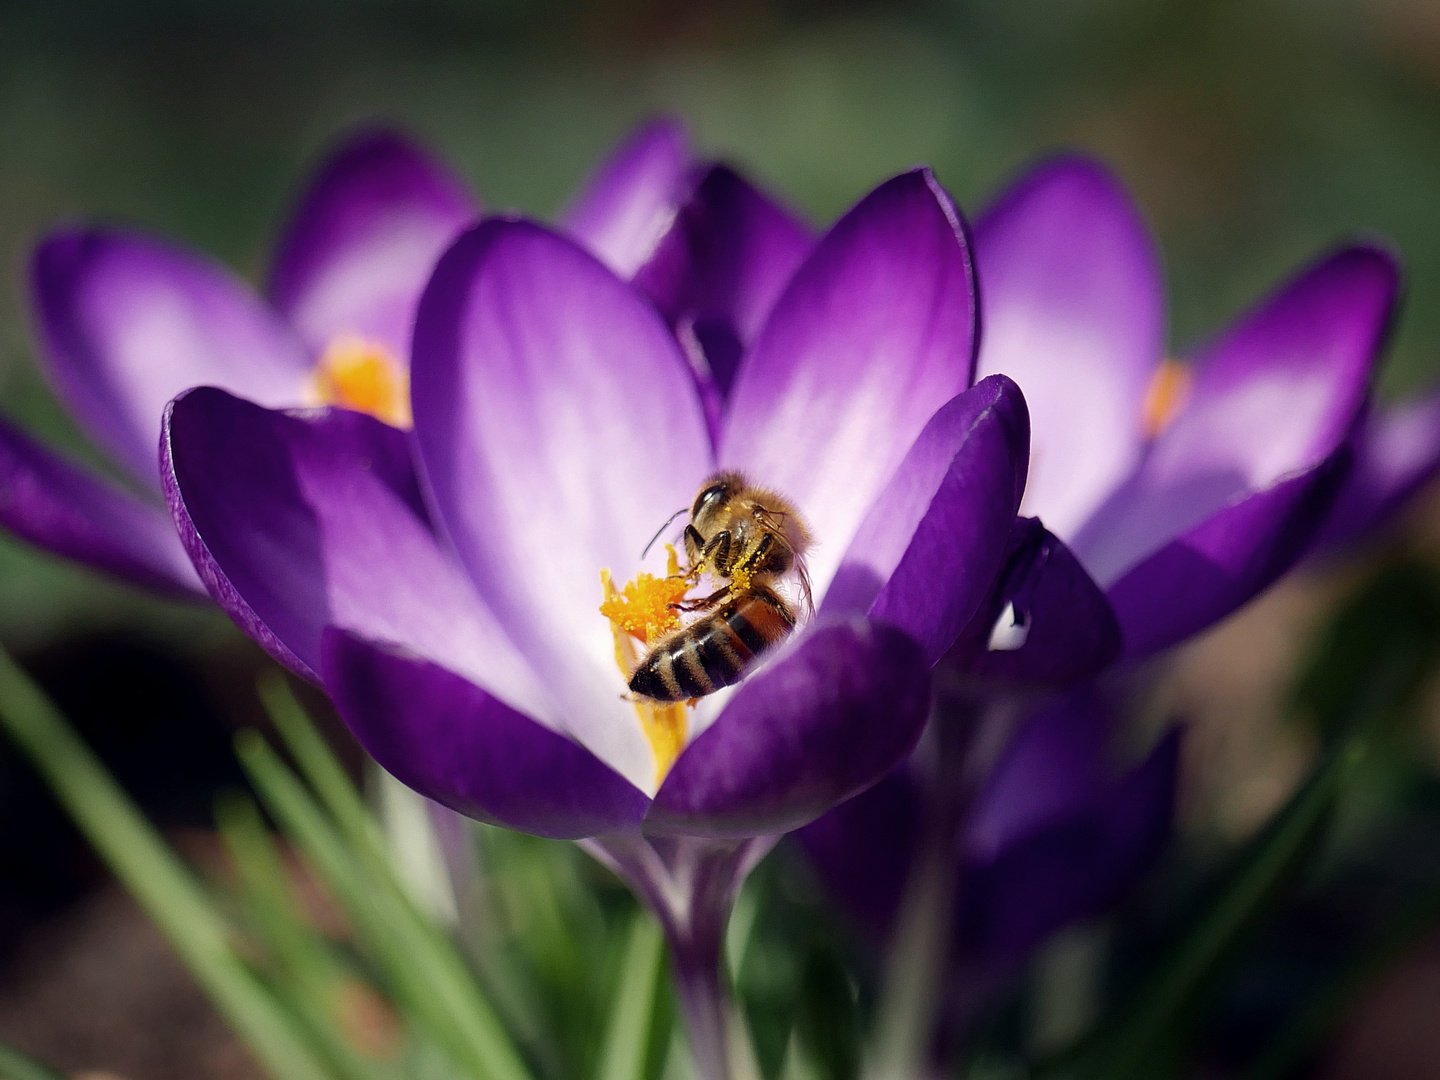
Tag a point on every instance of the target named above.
point(768, 518)
point(804, 577)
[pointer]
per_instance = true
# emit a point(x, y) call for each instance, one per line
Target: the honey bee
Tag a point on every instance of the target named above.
point(748, 537)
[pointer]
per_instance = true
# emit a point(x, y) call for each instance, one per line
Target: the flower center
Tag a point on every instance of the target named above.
point(359, 374)
point(1165, 397)
point(641, 614)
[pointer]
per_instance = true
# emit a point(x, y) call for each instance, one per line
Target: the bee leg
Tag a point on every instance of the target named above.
point(717, 553)
point(694, 544)
point(755, 560)
point(703, 603)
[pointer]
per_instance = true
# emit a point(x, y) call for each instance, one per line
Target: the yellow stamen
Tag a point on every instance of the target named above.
point(362, 375)
point(1165, 397)
point(643, 609)
point(639, 616)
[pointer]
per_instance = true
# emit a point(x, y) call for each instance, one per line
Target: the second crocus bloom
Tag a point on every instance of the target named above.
point(126, 320)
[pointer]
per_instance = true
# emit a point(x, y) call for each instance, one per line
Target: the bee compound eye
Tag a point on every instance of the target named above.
point(707, 498)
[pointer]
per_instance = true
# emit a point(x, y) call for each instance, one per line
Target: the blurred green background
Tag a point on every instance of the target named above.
point(1254, 133)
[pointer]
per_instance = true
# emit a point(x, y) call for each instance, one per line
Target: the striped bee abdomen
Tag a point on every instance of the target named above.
point(715, 649)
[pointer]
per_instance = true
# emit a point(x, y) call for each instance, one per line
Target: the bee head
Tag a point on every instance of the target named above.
point(717, 492)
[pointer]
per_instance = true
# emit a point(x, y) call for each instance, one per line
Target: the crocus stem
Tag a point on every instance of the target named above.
point(700, 986)
point(690, 884)
point(965, 736)
point(915, 967)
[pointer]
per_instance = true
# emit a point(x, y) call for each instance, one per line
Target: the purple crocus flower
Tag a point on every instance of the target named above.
point(1180, 490)
point(126, 321)
point(452, 616)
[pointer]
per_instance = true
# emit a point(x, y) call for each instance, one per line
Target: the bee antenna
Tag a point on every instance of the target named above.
point(660, 530)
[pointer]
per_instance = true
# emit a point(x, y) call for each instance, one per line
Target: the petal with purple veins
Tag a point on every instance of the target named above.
point(822, 723)
point(363, 240)
point(128, 321)
point(928, 550)
point(1073, 309)
point(455, 743)
point(64, 508)
point(628, 204)
point(559, 426)
point(297, 521)
point(874, 333)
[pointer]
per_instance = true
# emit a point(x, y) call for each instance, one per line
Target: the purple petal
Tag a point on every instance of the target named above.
point(1270, 401)
point(816, 727)
point(298, 521)
point(720, 268)
point(363, 240)
point(927, 552)
point(1206, 574)
point(1073, 309)
point(628, 204)
point(559, 427)
point(62, 507)
point(863, 850)
point(1074, 868)
point(1045, 622)
point(874, 333)
point(454, 743)
point(128, 321)
point(1396, 452)
point(1053, 767)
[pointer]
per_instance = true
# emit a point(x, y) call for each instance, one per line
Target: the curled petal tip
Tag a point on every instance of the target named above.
point(931, 543)
point(1045, 621)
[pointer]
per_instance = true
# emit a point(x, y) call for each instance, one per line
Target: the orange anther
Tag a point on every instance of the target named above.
point(1165, 397)
point(362, 375)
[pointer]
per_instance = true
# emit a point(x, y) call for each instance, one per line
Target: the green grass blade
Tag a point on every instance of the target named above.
point(322, 769)
point(264, 889)
point(1145, 1038)
point(311, 976)
point(154, 875)
point(431, 891)
point(505, 987)
point(1362, 680)
point(1150, 1036)
point(626, 1043)
point(17, 1066)
point(428, 975)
